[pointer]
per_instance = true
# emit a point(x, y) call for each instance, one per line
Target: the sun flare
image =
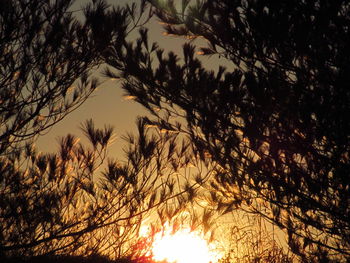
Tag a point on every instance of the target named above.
point(183, 246)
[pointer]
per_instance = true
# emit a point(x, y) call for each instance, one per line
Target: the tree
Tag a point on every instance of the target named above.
point(44, 51)
point(61, 204)
point(52, 203)
point(275, 121)
point(75, 202)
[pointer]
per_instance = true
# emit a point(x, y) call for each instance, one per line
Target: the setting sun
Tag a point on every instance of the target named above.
point(183, 246)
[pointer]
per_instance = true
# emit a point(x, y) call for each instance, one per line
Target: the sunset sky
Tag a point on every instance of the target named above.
point(243, 155)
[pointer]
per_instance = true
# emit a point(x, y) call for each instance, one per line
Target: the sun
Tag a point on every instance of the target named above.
point(183, 246)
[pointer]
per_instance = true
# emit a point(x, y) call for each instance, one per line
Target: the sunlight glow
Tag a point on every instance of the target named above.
point(183, 246)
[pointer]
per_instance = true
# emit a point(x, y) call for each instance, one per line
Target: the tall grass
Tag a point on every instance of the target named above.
point(250, 239)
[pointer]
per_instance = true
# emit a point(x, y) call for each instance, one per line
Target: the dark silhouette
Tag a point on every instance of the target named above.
point(46, 56)
point(61, 203)
point(63, 206)
point(276, 121)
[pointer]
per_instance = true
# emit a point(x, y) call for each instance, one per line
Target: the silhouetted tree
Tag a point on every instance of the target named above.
point(276, 120)
point(46, 54)
point(54, 204)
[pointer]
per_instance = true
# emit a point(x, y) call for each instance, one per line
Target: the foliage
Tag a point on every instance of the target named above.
point(275, 121)
point(44, 50)
point(61, 204)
